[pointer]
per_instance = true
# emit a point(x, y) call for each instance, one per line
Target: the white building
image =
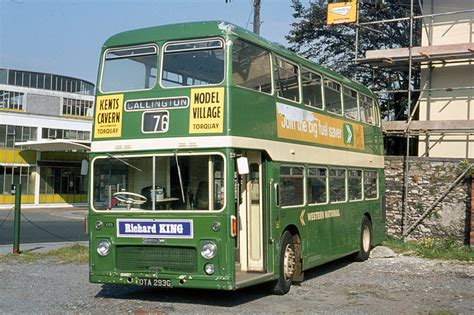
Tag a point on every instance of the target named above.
point(447, 104)
point(36, 106)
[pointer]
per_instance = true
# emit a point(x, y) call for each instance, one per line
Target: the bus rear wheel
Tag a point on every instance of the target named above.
point(365, 240)
point(287, 265)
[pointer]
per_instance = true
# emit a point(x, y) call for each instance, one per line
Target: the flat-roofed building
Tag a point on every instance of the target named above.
point(38, 106)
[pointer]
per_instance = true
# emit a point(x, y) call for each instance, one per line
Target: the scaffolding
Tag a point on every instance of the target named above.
point(407, 58)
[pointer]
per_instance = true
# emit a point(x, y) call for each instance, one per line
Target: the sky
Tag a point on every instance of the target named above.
point(65, 36)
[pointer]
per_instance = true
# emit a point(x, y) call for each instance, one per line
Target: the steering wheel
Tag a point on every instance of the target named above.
point(130, 198)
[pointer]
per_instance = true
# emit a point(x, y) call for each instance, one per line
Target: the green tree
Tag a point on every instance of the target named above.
point(334, 46)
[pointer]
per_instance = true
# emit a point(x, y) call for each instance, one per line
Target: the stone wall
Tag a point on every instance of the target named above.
point(428, 178)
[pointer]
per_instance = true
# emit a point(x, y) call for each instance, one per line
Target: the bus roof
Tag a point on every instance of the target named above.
point(191, 30)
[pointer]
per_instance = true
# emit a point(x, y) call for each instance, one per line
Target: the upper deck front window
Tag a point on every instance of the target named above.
point(129, 69)
point(191, 63)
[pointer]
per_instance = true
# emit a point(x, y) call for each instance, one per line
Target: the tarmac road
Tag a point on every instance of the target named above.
point(44, 225)
point(397, 285)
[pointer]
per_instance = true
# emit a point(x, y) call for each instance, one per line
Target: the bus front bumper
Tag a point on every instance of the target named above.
point(163, 280)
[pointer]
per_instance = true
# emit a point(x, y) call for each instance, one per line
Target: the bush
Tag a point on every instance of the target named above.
point(435, 248)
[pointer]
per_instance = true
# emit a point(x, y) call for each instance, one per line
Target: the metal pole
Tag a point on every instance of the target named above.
point(407, 157)
point(256, 16)
point(445, 89)
point(16, 227)
point(356, 48)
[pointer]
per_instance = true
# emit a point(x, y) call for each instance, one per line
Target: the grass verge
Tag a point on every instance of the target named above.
point(434, 248)
point(70, 254)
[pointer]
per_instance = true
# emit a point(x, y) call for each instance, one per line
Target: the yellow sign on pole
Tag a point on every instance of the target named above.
point(108, 116)
point(342, 12)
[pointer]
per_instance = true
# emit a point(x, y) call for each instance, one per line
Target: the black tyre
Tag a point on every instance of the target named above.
point(365, 240)
point(287, 265)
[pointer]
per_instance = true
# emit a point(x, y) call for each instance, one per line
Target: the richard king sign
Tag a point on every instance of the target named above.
point(144, 228)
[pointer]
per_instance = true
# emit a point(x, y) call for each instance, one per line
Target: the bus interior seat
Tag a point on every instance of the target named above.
point(202, 196)
point(146, 192)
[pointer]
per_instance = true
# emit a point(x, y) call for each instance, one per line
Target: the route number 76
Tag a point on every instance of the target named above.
point(153, 122)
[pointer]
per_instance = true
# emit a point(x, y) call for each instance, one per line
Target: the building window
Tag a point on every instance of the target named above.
point(51, 133)
point(77, 107)
point(45, 81)
point(3, 76)
point(62, 180)
point(24, 175)
point(11, 134)
point(12, 100)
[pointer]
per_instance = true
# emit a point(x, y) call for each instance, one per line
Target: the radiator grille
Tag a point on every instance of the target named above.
point(156, 258)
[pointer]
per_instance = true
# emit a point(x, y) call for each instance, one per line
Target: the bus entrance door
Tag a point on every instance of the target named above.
point(250, 216)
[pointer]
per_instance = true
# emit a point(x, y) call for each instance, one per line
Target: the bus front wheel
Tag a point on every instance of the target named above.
point(287, 265)
point(365, 240)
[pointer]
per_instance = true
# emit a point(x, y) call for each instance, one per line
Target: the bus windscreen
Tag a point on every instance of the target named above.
point(146, 183)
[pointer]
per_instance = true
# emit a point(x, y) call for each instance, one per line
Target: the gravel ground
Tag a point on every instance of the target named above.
point(394, 285)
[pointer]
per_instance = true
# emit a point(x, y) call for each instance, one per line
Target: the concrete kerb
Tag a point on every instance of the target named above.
point(39, 247)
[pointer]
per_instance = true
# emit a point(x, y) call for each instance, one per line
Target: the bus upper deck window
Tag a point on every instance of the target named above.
point(332, 96)
point(251, 67)
point(312, 95)
point(366, 109)
point(128, 69)
point(286, 79)
point(350, 103)
point(194, 62)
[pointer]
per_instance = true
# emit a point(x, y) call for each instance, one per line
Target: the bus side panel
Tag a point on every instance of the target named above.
point(252, 114)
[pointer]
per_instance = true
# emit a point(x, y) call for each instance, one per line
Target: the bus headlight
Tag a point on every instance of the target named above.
point(209, 269)
point(208, 250)
point(103, 248)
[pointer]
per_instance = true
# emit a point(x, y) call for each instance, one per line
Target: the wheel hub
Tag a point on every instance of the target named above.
point(289, 262)
point(366, 239)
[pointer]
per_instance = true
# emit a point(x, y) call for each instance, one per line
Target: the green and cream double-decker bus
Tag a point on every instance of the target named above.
point(220, 160)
